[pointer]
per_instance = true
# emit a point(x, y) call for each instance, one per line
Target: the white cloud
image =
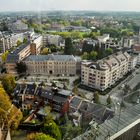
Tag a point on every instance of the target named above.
point(36, 5)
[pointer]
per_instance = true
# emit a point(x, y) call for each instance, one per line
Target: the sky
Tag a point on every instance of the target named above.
point(45, 5)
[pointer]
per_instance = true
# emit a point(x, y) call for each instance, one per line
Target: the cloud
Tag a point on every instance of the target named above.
point(38, 5)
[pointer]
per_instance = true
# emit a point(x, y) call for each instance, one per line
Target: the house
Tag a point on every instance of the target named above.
point(28, 96)
point(57, 99)
point(83, 111)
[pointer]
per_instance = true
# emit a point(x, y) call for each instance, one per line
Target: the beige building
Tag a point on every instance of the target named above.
point(51, 65)
point(22, 52)
point(104, 73)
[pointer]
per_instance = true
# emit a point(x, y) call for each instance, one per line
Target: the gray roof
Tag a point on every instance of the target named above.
point(20, 48)
point(50, 57)
point(115, 124)
point(11, 58)
point(65, 92)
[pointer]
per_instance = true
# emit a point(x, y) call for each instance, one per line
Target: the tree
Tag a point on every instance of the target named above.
point(39, 136)
point(45, 51)
point(108, 51)
point(85, 56)
point(8, 83)
point(93, 55)
point(68, 50)
point(21, 67)
point(4, 56)
point(19, 43)
point(87, 47)
point(109, 101)
point(75, 90)
point(51, 128)
point(25, 40)
point(96, 97)
point(68, 130)
point(8, 112)
point(76, 35)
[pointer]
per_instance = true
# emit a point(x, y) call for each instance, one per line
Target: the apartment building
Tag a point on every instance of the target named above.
point(36, 43)
point(22, 52)
point(103, 38)
point(8, 40)
point(19, 26)
point(52, 39)
point(51, 65)
point(104, 73)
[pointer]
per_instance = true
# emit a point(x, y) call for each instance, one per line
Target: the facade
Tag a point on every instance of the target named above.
point(136, 50)
point(104, 73)
point(32, 47)
point(28, 94)
point(103, 38)
point(52, 40)
point(8, 40)
point(19, 26)
point(51, 65)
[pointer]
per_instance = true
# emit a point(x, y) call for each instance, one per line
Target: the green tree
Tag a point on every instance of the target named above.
point(51, 128)
point(8, 83)
point(25, 40)
point(85, 56)
point(109, 100)
point(93, 55)
point(39, 136)
point(4, 56)
point(87, 47)
point(68, 50)
point(19, 43)
point(68, 130)
point(96, 97)
point(108, 51)
point(76, 35)
point(21, 67)
point(45, 51)
point(75, 90)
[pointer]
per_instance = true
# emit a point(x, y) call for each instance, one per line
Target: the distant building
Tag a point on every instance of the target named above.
point(52, 40)
point(103, 38)
point(19, 26)
point(136, 50)
point(77, 29)
point(9, 40)
point(127, 42)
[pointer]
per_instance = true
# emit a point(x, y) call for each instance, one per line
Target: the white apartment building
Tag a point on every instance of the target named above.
point(104, 73)
point(19, 26)
point(103, 38)
point(51, 65)
point(8, 40)
point(37, 41)
point(52, 39)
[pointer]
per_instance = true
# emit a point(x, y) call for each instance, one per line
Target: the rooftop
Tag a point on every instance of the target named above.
point(116, 124)
point(50, 57)
point(20, 48)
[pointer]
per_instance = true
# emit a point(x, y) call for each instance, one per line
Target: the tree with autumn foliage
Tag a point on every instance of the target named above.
point(9, 114)
point(8, 83)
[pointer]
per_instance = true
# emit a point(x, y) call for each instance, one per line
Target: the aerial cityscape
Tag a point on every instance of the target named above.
point(70, 70)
